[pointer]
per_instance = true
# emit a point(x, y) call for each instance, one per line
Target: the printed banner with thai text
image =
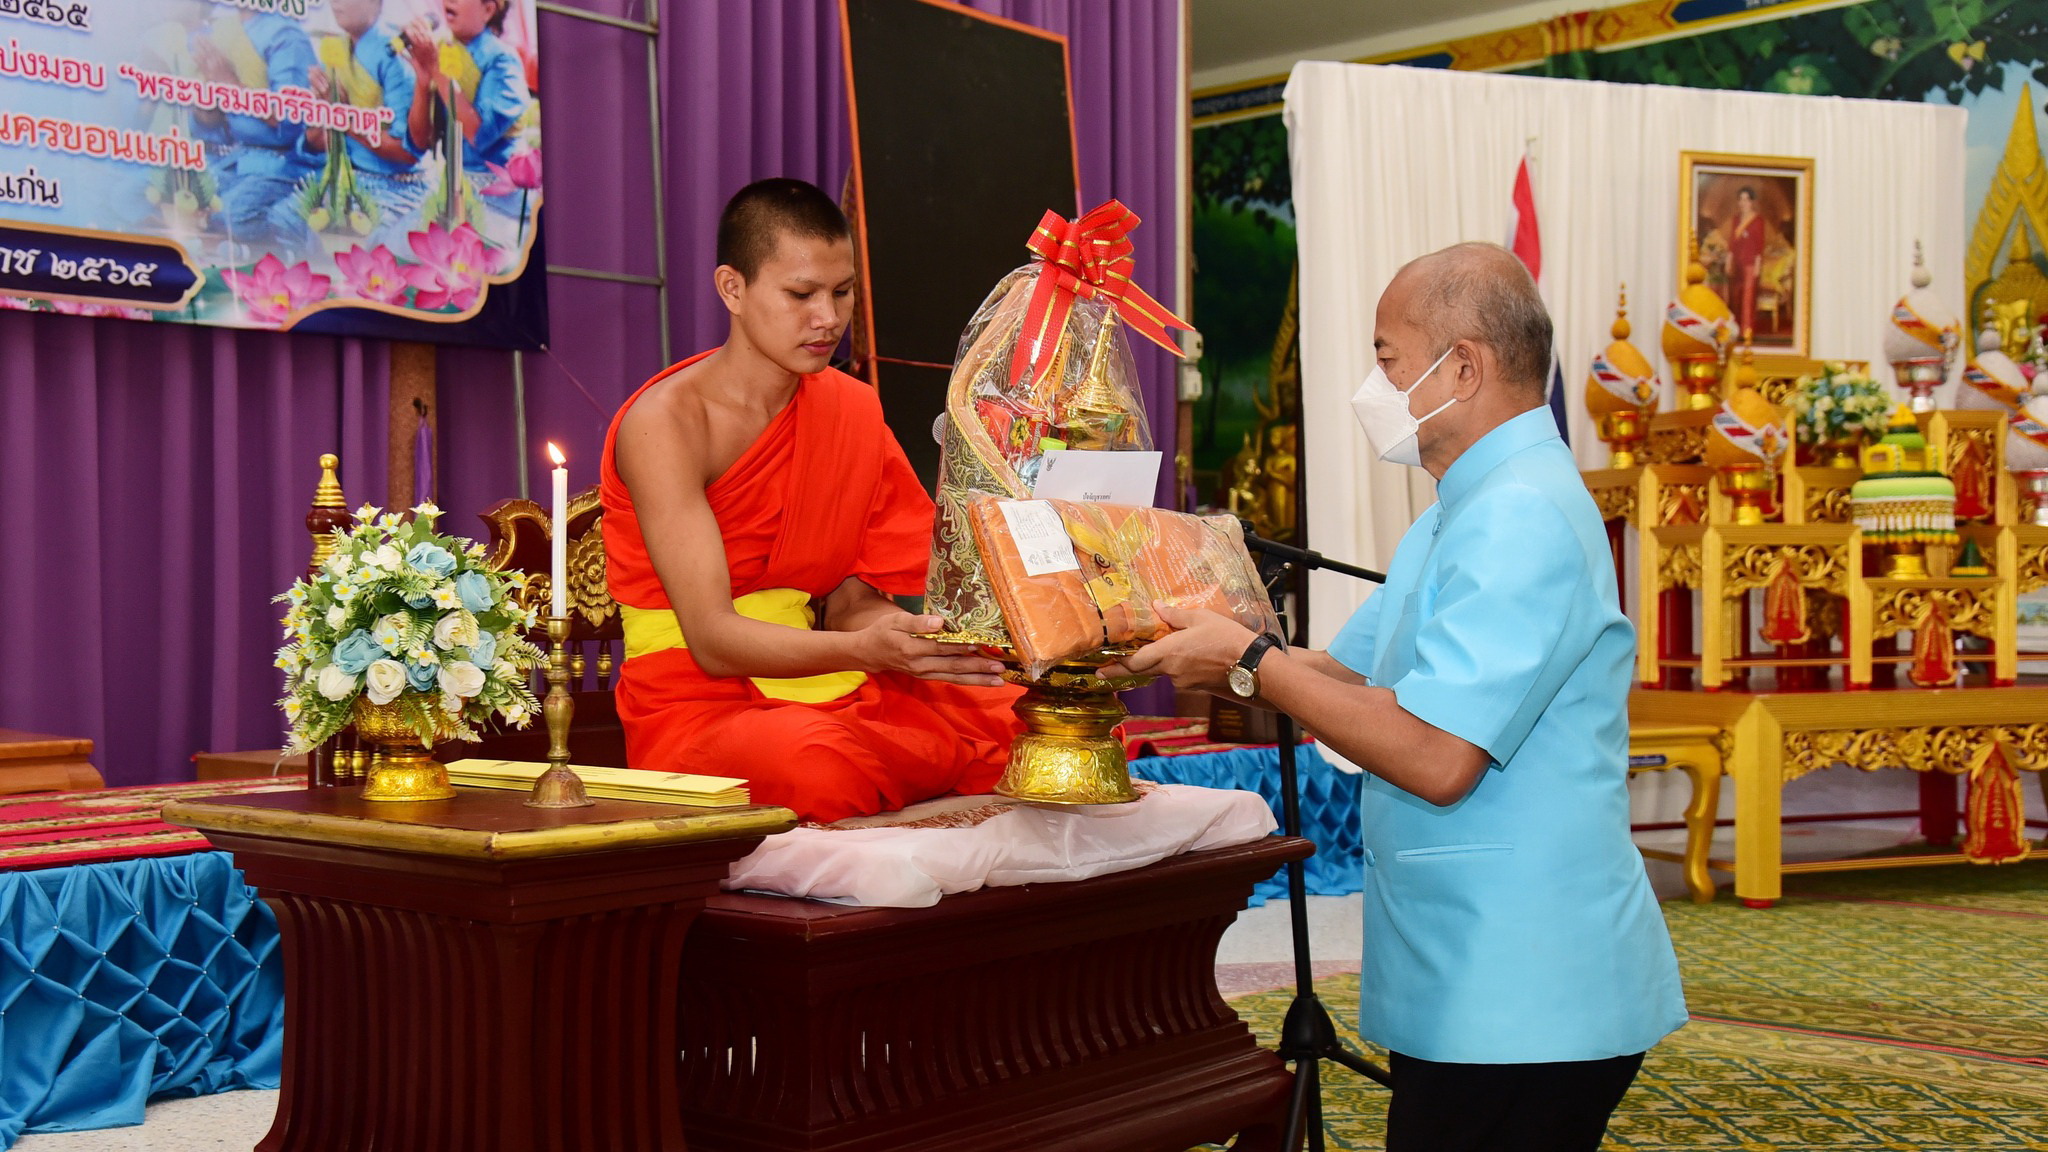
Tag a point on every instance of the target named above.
point(253, 163)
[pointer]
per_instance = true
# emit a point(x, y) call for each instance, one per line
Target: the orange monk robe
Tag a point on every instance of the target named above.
point(824, 494)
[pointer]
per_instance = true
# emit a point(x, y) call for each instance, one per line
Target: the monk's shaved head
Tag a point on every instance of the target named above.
point(1481, 292)
point(759, 215)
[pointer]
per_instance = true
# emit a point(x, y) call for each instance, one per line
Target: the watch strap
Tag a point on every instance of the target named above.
point(1256, 652)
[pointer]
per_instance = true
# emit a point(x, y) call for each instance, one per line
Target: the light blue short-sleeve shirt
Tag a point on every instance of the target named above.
point(1517, 925)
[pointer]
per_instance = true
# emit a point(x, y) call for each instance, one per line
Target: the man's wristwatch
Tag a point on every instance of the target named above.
point(1244, 675)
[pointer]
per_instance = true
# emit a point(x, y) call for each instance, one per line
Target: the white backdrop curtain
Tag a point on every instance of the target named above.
point(1390, 163)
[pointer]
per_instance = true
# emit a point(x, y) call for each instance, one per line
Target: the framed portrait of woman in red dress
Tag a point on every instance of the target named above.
point(1749, 220)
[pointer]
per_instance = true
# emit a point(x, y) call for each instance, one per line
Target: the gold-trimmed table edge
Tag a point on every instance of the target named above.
point(435, 840)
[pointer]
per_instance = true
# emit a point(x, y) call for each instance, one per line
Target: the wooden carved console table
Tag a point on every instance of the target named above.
point(473, 974)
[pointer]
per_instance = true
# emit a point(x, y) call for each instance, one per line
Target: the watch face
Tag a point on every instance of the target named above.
point(1243, 682)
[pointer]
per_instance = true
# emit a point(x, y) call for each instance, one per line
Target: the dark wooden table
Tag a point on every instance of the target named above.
point(476, 974)
point(1081, 1016)
point(35, 762)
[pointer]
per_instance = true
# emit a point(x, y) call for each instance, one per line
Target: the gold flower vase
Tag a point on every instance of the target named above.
point(401, 770)
point(1842, 452)
point(1068, 752)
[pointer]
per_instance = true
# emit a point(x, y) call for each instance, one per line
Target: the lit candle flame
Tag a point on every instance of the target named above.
point(556, 454)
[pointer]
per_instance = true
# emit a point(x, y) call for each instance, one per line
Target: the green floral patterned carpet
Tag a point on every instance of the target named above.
point(1899, 1010)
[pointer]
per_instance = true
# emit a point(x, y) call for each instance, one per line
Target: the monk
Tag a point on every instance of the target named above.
point(757, 516)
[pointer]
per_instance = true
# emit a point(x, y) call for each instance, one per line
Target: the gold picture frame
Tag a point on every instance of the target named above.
point(1758, 256)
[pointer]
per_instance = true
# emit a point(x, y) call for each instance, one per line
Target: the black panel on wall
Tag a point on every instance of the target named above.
point(963, 139)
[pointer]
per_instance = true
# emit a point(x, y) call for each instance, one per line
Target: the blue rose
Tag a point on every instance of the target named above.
point(431, 559)
point(356, 651)
point(421, 676)
point(484, 652)
point(474, 588)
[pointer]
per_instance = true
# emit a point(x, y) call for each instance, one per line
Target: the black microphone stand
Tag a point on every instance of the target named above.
point(1307, 1035)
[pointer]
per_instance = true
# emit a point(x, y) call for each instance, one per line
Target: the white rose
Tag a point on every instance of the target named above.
point(461, 678)
point(386, 679)
point(336, 616)
point(336, 684)
point(389, 630)
point(387, 558)
point(456, 629)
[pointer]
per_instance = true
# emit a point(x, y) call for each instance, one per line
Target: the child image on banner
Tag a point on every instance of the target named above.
point(257, 164)
point(371, 185)
point(484, 127)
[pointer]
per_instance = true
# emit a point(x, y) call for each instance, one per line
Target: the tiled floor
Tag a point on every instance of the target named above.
point(1256, 954)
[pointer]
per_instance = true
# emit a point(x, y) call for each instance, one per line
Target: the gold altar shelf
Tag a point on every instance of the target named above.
point(1810, 672)
point(1689, 541)
point(1767, 739)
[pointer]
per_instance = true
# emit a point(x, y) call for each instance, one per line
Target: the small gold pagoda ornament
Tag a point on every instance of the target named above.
point(1746, 444)
point(1621, 392)
point(1698, 331)
point(1922, 341)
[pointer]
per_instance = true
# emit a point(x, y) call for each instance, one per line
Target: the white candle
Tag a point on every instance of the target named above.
point(558, 570)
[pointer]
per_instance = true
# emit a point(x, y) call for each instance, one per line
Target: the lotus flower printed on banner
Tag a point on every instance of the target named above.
point(452, 267)
point(519, 173)
point(375, 275)
point(272, 292)
point(401, 613)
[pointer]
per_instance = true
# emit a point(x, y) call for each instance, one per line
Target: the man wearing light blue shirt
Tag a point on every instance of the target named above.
point(1516, 964)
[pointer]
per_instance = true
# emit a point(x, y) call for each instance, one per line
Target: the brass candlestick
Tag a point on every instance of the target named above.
point(559, 786)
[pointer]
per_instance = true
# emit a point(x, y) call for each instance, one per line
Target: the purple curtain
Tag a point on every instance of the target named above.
point(750, 89)
point(157, 477)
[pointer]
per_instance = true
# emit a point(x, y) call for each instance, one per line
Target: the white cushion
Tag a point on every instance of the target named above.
point(878, 861)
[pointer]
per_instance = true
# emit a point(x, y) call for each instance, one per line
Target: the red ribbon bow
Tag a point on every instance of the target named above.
point(1087, 257)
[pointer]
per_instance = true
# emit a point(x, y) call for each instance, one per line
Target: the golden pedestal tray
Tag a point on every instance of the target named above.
point(1068, 753)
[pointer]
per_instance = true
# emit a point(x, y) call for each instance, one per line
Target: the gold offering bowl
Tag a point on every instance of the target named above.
point(2033, 484)
point(1747, 486)
point(401, 770)
point(1068, 753)
point(1622, 430)
point(1905, 560)
point(1699, 377)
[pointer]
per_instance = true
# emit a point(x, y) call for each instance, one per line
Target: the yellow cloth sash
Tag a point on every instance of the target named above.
point(657, 630)
point(338, 55)
point(233, 41)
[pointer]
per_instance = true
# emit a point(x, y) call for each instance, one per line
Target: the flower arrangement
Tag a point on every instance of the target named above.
point(403, 615)
point(1839, 405)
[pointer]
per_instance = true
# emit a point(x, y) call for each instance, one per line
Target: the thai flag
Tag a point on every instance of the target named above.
point(1527, 244)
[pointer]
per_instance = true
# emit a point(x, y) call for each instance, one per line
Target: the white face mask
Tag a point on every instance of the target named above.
point(1382, 410)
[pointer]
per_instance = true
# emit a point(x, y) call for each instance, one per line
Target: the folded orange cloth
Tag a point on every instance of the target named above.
point(1072, 577)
